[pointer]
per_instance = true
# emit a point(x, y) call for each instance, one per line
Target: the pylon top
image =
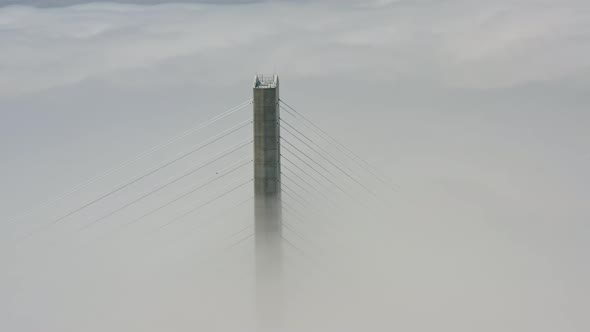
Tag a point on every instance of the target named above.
point(266, 82)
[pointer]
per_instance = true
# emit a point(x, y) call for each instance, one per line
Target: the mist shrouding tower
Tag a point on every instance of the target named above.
point(267, 190)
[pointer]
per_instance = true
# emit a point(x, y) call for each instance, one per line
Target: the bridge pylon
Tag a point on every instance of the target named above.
point(267, 190)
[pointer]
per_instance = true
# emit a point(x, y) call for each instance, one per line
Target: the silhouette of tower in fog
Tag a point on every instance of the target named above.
point(267, 190)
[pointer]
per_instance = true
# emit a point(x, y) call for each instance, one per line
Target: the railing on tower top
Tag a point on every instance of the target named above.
point(261, 81)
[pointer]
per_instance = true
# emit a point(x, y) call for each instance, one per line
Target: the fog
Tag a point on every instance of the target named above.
point(473, 116)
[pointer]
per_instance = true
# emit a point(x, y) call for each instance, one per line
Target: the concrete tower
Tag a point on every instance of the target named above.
point(267, 190)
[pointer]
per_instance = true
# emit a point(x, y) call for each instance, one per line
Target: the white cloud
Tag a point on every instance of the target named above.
point(478, 110)
point(457, 44)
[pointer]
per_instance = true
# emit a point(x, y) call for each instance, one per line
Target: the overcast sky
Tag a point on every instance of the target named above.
point(61, 3)
point(478, 111)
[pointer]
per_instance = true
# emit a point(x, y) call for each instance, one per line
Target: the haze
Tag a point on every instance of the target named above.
point(477, 111)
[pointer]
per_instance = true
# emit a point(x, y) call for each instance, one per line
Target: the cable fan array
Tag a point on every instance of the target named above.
point(185, 178)
point(211, 177)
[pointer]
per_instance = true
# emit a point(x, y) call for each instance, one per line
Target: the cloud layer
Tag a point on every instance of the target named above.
point(63, 3)
point(478, 111)
point(451, 43)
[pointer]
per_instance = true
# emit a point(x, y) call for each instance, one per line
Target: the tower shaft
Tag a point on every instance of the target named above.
point(267, 190)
